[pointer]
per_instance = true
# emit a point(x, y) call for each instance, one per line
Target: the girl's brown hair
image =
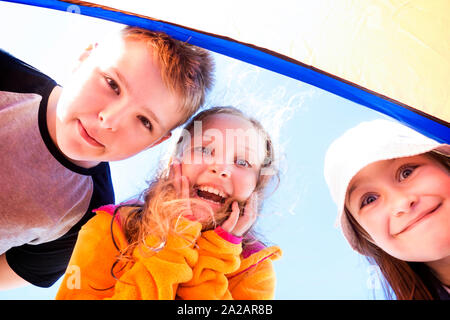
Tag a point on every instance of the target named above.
point(161, 205)
point(406, 280)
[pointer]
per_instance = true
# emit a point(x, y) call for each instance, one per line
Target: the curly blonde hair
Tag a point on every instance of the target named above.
point(161, 205)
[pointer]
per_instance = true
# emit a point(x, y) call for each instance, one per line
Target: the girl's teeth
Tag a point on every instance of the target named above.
point(212, 190)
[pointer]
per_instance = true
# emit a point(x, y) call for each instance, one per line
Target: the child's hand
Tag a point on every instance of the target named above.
point(237, 224)
point(181, 185)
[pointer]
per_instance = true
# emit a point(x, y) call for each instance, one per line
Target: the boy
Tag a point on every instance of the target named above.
point(125, 96)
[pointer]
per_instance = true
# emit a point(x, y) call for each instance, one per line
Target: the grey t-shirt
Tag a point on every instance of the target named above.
point(45, 199)
point(41, 200)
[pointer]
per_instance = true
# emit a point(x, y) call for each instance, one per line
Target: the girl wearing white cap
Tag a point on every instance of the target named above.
point(392, 188)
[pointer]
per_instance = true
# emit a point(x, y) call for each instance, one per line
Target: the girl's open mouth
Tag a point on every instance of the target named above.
point(211, 194)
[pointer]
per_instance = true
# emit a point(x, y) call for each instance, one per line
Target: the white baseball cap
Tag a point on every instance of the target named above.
point(362, 145)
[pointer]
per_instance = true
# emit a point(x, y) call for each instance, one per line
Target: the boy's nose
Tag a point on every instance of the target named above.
point(111, 117)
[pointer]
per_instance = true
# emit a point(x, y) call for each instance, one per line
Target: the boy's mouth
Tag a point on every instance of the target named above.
point(86, 137)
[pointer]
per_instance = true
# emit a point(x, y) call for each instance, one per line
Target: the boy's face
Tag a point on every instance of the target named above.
point(404, 205)
point(115, 105)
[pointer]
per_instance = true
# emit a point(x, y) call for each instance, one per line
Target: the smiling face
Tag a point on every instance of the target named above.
point(223, 160)
point(404, 205)
point(115, 105)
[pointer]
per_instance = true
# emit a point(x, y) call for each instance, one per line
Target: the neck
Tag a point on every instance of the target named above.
point(441, 269)
point(51, 125)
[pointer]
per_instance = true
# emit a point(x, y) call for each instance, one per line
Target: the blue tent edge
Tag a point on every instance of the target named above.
point(432, 128)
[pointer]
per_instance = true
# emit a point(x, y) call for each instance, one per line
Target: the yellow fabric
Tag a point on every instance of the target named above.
point(222, 273)
point(397, 48)
point(209, 268)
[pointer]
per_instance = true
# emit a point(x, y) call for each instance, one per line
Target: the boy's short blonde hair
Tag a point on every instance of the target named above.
point(186, 70)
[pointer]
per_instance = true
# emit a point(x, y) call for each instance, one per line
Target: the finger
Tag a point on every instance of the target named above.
point(253, 207)
point(173, 164)
point(176, 168)
point(171, 174)
point(245, 221)
point(254, 200)
point(232, 220)
point(175, 172)
point(250, 208)
point(248, 218)
point(185, 194)
point(184, 187)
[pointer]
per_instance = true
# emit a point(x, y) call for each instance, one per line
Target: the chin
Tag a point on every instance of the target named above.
point(84, 159)
point(78, 156)
point(424, 254)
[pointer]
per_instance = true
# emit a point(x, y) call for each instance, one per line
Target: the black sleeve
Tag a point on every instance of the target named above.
point(43, 264)
point(18, 76)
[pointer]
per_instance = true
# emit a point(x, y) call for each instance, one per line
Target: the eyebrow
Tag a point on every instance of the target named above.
point(121, 78)
point(350, 191)
point(209, 139)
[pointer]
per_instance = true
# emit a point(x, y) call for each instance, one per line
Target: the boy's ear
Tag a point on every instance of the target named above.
point(162, 139)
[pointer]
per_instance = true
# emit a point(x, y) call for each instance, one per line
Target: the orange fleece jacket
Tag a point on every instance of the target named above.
point(214, 268)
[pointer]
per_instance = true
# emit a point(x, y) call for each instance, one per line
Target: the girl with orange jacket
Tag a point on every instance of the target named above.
point(192, 236)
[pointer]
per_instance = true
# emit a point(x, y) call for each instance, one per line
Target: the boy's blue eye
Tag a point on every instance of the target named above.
point(368, 199)
point(113, 85)
point(145, 122)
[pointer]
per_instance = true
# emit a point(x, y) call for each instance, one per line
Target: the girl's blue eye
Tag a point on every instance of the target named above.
point(405, 171)
point(243, 163)
point(368, 199)
point(205, 150)
point(145, 122)
point(113, 85)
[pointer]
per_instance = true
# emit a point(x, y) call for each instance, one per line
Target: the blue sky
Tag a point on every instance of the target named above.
point(303, 120)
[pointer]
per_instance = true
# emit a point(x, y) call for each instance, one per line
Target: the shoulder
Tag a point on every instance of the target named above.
point(260, 260)
point(107, 213)
point(253, 247)
point(105, 218)
point(104, 226)
point(103, 187)
point(18, 76)
point(257, 252)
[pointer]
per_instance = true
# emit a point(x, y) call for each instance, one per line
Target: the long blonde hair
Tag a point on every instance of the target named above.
point(161, 206)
